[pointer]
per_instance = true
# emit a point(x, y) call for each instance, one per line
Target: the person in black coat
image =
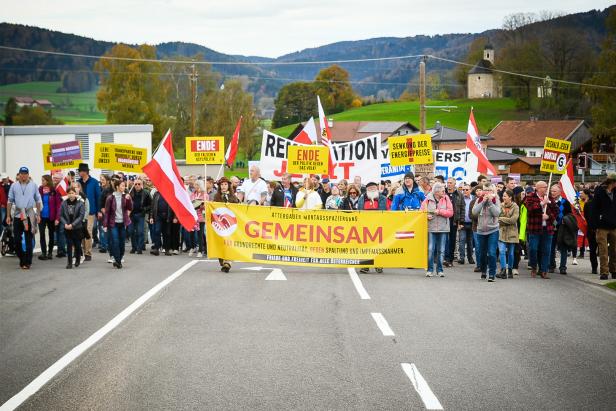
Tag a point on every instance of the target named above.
point(591, 230)
point(566, 238)
point(604, 219)
point(72, 214)
point(284, 195)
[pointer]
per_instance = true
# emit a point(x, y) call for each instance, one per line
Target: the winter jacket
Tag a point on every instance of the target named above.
point(588, 216)
point(347, 204)
point(79, 214)
point(110, 210)
point(487, 213)
point(460, 209)
point(508, 223)
point(408, 200)
point(604, 209)
point(522, 222)
point(278, 196)
point(567, 232)
point(382, 202)
point(141, 201)
point(55, 204)
point(92, 190)
point(442, 212)
point(156, 213)
point(534, 224)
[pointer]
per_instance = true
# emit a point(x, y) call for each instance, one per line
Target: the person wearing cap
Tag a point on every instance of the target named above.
point(411, 196)
point(603, 215)
point(24, 195)
point(91, 188)
point(372, 200)
point(225, 194)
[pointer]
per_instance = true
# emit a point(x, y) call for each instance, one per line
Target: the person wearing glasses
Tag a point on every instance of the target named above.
point(351, 201)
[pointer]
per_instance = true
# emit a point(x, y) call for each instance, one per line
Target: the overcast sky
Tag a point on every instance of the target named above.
point(271, 27)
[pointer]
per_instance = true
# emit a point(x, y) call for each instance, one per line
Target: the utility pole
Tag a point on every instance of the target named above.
point(193, 88)
point(422, 95)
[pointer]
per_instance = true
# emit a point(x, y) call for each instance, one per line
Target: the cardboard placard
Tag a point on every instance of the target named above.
point(413, 149)
point(205, 150)
point(308, 159)
point(555, 153)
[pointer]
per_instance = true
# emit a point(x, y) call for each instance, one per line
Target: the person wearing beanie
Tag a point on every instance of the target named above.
point(225, 194)
point(411, 196)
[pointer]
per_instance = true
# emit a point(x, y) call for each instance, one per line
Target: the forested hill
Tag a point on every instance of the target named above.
point(76, 73)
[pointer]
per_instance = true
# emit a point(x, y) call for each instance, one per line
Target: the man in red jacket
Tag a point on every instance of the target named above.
point(542, 213)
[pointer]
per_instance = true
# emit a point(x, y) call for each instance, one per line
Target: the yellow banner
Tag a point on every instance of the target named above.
point(555, 153)
point(319, 238)
point(120, 157)
point(205, 150)
point(414, 149)
point(308, 159)
point(50, 165)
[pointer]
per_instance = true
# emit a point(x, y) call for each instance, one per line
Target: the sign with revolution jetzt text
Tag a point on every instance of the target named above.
point(119, 157)
point(205, 150)
point(413, 149)
point(555, 153)
point(318, 238)
point(308, 159)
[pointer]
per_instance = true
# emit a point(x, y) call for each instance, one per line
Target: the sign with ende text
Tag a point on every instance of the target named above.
point(49, 164)
point(308, 159)
point(119, 157)
point(413, 149)
point(555, 153)
point(205, 150)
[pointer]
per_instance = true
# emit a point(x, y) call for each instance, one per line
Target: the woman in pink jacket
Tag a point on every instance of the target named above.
point(440, 210)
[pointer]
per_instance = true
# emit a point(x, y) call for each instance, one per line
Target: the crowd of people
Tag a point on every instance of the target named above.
point(491, 226)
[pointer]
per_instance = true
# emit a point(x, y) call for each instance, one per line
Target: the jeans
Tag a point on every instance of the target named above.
point(436, 250)
point(487, 245)
point(118, 241)
point(25, 257)
point(47, 225)
point(137, 238)
point(506, 251)
point(60, 239)
point(103, 242)
point(564, 250)
point(155, 233)
point(542, 244)
point(477, 256)
point(553, 250)
point(2, 217)
point(466, 242)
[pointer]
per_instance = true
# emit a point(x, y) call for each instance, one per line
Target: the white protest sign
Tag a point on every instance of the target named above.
point(361, 157)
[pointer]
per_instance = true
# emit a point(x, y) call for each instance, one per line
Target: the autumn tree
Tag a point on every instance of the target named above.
point(332, 85)
point(604, 108)
point(131, 91)
point(221, 111)
point(34, 116)
point(10, 109)
point(295, 102)
point(475, 53)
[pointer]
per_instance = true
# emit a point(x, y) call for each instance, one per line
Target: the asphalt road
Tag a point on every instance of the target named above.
point(210, 340)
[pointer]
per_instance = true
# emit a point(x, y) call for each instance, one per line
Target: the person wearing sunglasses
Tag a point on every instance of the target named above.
point(351, 201)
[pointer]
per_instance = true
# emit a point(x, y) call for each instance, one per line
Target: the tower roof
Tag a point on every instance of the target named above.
point(483, 66)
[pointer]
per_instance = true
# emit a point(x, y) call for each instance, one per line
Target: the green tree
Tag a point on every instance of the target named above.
point(333, 87)
point(475, 53)
point(132, 92)
point(296, 102)
point(34, 116)
point(222, 110)
point(10, 109)
point(604, 108)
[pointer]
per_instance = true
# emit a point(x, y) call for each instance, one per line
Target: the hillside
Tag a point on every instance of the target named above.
point(488, 113)
point(371, 78)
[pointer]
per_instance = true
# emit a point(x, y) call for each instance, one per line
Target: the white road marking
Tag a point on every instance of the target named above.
point(253, 268)
point(421, 386)
point(276, 275)
point(363, 294)
point(73, 354)
point(381, 322)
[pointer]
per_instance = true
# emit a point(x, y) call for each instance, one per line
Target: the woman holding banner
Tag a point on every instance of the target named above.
point(225, 194)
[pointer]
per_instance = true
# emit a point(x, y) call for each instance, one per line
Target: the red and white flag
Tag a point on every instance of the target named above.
point(473, 143)
point(569, 194)
point(62, 186)
point(233, 145)
point(326, 138)
point(165, 176)
point(308, 135)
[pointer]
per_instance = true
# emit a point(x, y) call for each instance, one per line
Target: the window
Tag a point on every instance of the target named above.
point(84, 140)
point(532, 154)
point(501, 166)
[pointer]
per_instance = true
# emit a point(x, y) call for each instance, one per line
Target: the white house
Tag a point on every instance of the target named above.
point(22, 145)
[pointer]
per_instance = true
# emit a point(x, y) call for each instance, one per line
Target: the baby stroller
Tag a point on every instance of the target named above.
point(7, 244)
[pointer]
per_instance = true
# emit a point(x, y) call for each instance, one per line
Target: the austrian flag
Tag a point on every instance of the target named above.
point(405, 234)
point(165, 176)
point(473, 143)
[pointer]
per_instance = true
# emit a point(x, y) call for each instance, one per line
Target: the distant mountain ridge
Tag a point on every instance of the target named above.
point(387, 78)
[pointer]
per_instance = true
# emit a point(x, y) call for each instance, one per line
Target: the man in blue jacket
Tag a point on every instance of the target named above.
point(410, 198)
point(92, 189)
